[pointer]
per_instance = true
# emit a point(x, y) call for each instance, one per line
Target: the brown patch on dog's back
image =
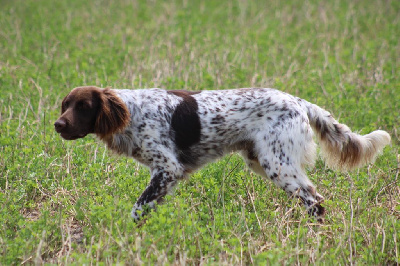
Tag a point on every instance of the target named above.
point(185, 124)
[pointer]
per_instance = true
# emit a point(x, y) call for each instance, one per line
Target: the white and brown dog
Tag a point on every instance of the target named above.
point(176, 132)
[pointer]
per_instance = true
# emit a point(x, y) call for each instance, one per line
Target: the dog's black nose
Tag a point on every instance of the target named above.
point(59, 125)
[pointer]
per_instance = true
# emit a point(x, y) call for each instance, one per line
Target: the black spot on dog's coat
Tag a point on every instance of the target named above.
point(185, 124)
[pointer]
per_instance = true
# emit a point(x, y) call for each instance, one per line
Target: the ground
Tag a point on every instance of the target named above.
point(69, 202)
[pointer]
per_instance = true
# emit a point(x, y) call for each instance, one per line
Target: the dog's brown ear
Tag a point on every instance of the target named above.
point(113, 114)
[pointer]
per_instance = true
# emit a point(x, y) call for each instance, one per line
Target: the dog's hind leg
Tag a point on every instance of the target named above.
point(292, 179)
point(283, 158)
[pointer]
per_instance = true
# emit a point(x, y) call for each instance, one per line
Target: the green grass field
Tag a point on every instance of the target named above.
point(69, 202)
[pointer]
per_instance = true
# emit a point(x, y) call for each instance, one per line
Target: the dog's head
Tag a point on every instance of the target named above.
point(91, 109)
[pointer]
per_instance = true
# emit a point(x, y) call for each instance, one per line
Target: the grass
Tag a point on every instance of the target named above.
point(69, 202)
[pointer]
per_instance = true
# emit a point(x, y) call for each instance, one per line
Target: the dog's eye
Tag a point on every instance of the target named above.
point(83, 105)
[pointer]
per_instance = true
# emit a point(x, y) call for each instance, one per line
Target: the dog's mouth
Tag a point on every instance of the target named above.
point(72, 137)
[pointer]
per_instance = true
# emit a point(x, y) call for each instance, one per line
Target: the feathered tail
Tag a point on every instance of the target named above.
point(341, 148)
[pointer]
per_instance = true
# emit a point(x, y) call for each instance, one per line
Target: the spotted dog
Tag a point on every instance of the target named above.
point(176, 132)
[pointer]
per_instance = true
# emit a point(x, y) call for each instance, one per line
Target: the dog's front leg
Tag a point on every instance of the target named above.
point(162, 181)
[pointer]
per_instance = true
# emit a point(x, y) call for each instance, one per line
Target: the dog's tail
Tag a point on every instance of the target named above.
point(341, 148)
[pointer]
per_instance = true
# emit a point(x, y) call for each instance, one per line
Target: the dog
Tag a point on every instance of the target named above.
point(176, 132)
